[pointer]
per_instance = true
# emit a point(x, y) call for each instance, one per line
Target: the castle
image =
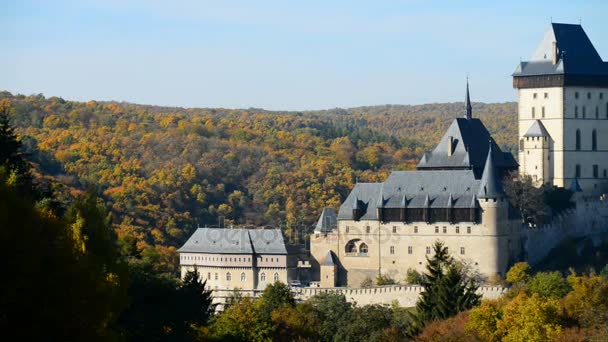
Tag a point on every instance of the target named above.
point(455, 194)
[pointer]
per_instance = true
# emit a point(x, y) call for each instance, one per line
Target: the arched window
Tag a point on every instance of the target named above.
point(243, 276)
point(363, 248)
point(276, 277)
point(594, 140)
point(578, 139)
point(351, 246)
point(262, 277)
point(228, 276)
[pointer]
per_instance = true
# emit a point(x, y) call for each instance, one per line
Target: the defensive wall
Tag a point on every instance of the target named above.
point(589, 219)
point(404, 295)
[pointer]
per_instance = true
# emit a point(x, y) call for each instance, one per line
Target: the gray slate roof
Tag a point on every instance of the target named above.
point(537, 129)
point(329, 259)
point(576, 54)
point(414, 189)
point(235, 241)
point(471, 142)
point(327, 221)
point(490, 185)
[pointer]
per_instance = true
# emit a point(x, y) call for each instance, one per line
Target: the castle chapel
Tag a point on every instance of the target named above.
point(455, 193)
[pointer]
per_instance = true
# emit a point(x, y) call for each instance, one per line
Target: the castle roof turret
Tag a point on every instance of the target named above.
point(490, 186)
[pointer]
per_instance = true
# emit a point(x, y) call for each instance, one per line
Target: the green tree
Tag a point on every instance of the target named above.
point(196, 301)
point(447, 290)
point(518, 273)
point(274, 296)
point(525, 197)
point(14, 168)
point(549, 284)
point(332, 310)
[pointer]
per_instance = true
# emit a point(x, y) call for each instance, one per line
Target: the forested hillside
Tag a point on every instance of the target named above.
point(162, 170)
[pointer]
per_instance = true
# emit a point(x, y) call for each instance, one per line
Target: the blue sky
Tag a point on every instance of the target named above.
point(292, 55)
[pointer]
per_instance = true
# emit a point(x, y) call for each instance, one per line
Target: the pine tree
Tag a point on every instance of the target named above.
point(447, 291)
point(197, 306)
point(14, 169)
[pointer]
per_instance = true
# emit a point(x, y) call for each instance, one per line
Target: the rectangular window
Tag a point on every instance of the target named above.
point(461, 250)
point(394, 229)
point(416, 229)
point(601, 96)
point(546, 95)
point(534, 95)
point(368, 229)
point(468, 230)
point(595, 171)
point(392, 249)
point(584, 111)
point(428, 250)
point(576, 111)
point(576, 95)
point(445, 230)
point(209, 276)
point(410, 250)
point(577, 171)
point(347, 228)
point(543, 112)
point(533, 112)
point(216, 276)
point(589, 95)
point(436, 230)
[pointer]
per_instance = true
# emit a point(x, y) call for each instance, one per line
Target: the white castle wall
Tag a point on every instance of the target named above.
point(589, 219)
point(404, 295)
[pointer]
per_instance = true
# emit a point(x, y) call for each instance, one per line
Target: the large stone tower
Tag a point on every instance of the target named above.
point(563, 111)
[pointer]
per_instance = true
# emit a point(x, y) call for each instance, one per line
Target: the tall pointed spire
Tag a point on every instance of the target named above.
point(467, 103)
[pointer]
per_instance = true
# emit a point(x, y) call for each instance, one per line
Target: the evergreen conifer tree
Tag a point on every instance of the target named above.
point(447, 291)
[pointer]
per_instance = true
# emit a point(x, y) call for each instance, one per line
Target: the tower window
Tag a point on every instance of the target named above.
point(594, 140)
point(577, 171)
point(468, 230)
point(368, 229)
point(394, 229)
point(605, 173)
point(597, 112)
point(276, 277)
point(595, 171)
point(347, 228)
point(392, 249)
point(243, 276)
point(534, 95)
point(584, 111)
point(416, 229)
point(428, 250)
point(601, 96)
point(436, 230)
point(363, 248)
point(546, 95)
point(578, 140)
point(461, 250)
point(228, 276)
point(543, 112)
point(457, 230)
point(410, 249)
point(533, 112)
point(445, 230)
point(589, 95)
point(576, 111)
point(576, 95)
point(263, 277)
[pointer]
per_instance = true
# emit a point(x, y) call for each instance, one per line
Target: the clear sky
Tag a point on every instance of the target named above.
point(289, 54)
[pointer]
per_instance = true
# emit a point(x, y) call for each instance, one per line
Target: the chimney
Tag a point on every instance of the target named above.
point(554, 52)
point(450, 146)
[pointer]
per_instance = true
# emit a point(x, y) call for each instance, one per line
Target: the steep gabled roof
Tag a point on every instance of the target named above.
point(575, 54)
point(470, 144)
point(537, 129)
